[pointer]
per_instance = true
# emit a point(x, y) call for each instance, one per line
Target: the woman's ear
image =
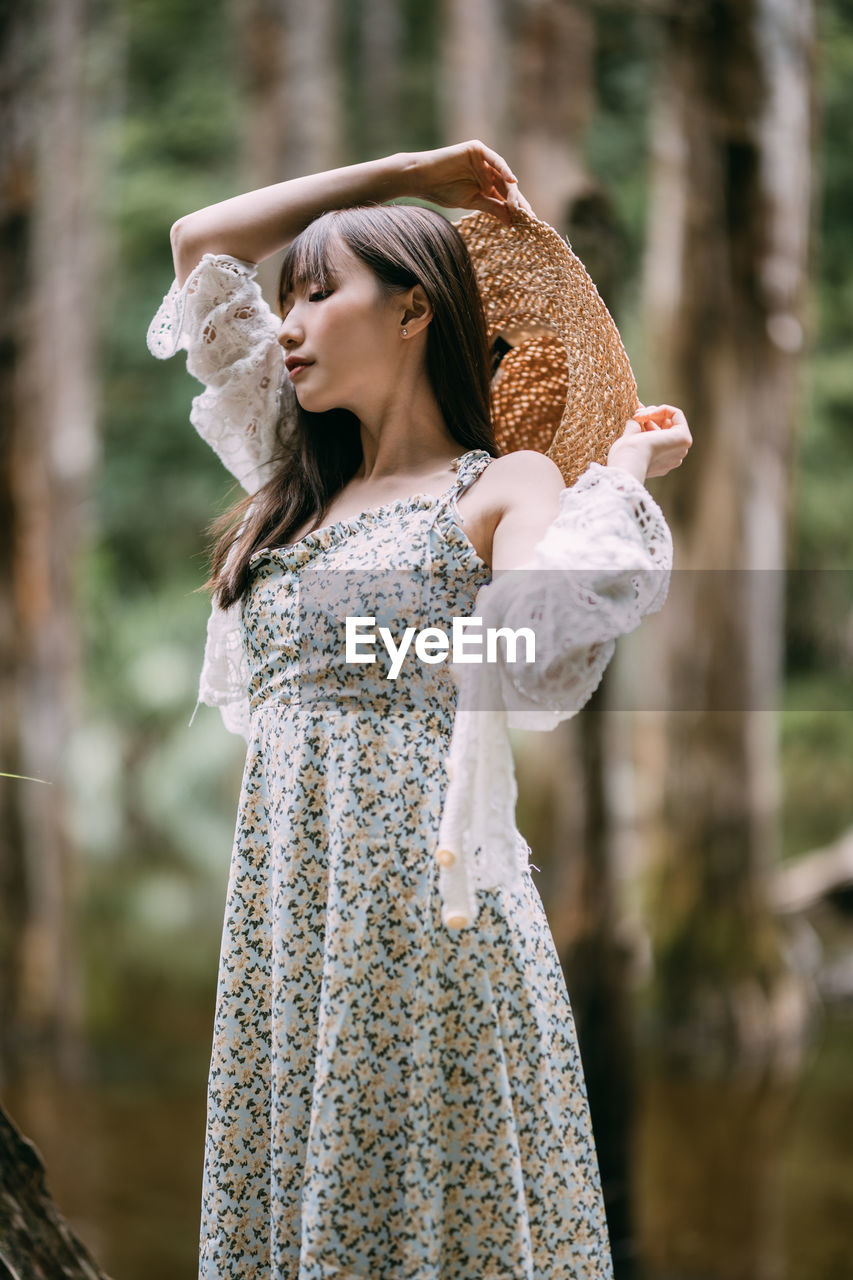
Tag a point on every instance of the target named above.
point(417, 311)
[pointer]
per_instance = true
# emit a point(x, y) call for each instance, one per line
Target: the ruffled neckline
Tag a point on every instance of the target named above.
point(353, 524)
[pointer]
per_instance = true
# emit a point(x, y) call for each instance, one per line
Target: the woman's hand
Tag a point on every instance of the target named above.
point(654, 441)
point(468, 175)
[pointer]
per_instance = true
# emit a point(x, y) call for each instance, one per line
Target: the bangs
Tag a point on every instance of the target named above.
point(310, 258)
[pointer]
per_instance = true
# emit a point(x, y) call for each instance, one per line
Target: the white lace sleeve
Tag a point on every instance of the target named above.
point(245, 412)
point(220, 317)
point(602, 565)
point(224, 679)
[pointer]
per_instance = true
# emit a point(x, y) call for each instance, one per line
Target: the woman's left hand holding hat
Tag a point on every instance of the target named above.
point(467, 175)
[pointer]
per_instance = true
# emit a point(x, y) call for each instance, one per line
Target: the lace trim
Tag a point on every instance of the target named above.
point(247, 411)
point(602, 565)
point(609, 524)
point(166, 331)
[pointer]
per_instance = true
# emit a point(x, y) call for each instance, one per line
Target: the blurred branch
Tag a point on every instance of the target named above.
point(821, 873)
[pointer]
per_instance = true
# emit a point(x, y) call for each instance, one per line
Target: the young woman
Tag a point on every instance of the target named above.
point(387, 1099)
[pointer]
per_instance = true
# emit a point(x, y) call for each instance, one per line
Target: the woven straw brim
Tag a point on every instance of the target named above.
point(566, 388)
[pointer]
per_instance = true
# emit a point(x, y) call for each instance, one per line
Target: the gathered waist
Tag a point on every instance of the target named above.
point(436, 714)
point(365, 688)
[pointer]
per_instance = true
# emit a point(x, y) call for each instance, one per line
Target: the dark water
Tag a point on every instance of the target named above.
point(745, 1182)
point(730, 1183)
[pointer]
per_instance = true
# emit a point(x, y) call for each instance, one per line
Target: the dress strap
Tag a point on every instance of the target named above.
point(468, 466)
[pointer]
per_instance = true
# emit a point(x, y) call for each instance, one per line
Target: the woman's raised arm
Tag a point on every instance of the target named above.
point(257, 224)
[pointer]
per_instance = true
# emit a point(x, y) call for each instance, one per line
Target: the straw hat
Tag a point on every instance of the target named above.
point(563, 382)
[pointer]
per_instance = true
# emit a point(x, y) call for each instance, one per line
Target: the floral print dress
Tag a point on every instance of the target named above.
point(388, 1099)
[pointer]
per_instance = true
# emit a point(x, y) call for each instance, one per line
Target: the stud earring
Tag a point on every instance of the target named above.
point(404, 332)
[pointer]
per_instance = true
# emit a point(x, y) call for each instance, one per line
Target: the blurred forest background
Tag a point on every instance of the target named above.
point(692, 826)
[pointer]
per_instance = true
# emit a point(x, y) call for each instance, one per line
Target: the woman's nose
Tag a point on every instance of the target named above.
point(289, 334)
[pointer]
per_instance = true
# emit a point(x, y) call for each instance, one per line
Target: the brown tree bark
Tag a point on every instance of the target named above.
point(725, 314)
point(16, 200)
point(35, 1239)
point(564, 810)
point(290, 63)
point(380, 52)
point(473, 73)
point(542, 64)
point(553, 98)
point(49, 453)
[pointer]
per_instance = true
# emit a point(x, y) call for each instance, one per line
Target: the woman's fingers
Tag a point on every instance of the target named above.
point(497, 181)
point(518, 201)
point(651, 412)
point(664, 415)
point(672, 435)
point(467, 174)
point(662, 411)
point(490, 205)
point(497, 162)
point(494, 199)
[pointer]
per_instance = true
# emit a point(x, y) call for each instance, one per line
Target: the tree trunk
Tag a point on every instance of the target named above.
point(292, 76)
point(473, 72)
point(550, 73)
point(35, 1239)
point(16, 197)
point(564, 810)
point(380, 53)
point(724, 309)
point(50, 451)
point(553, 101)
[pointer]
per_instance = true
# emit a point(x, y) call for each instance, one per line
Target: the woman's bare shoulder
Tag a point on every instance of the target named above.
point(521, 474)
point(523, 498)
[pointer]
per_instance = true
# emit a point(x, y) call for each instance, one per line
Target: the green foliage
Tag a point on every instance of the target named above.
point(416, 123)
point(154, 799)
point(817, 754)
point(617, 141)
point(835, 171)
point(817, 724)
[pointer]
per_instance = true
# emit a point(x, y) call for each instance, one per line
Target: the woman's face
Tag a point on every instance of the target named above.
point(347, 336)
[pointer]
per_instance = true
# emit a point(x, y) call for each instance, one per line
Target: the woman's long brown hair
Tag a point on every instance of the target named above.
point(403, 245)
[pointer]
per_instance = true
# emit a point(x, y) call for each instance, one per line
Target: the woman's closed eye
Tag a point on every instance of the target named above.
point(313, 295)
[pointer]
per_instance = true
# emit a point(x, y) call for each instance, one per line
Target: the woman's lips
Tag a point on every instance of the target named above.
point(297, 369)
